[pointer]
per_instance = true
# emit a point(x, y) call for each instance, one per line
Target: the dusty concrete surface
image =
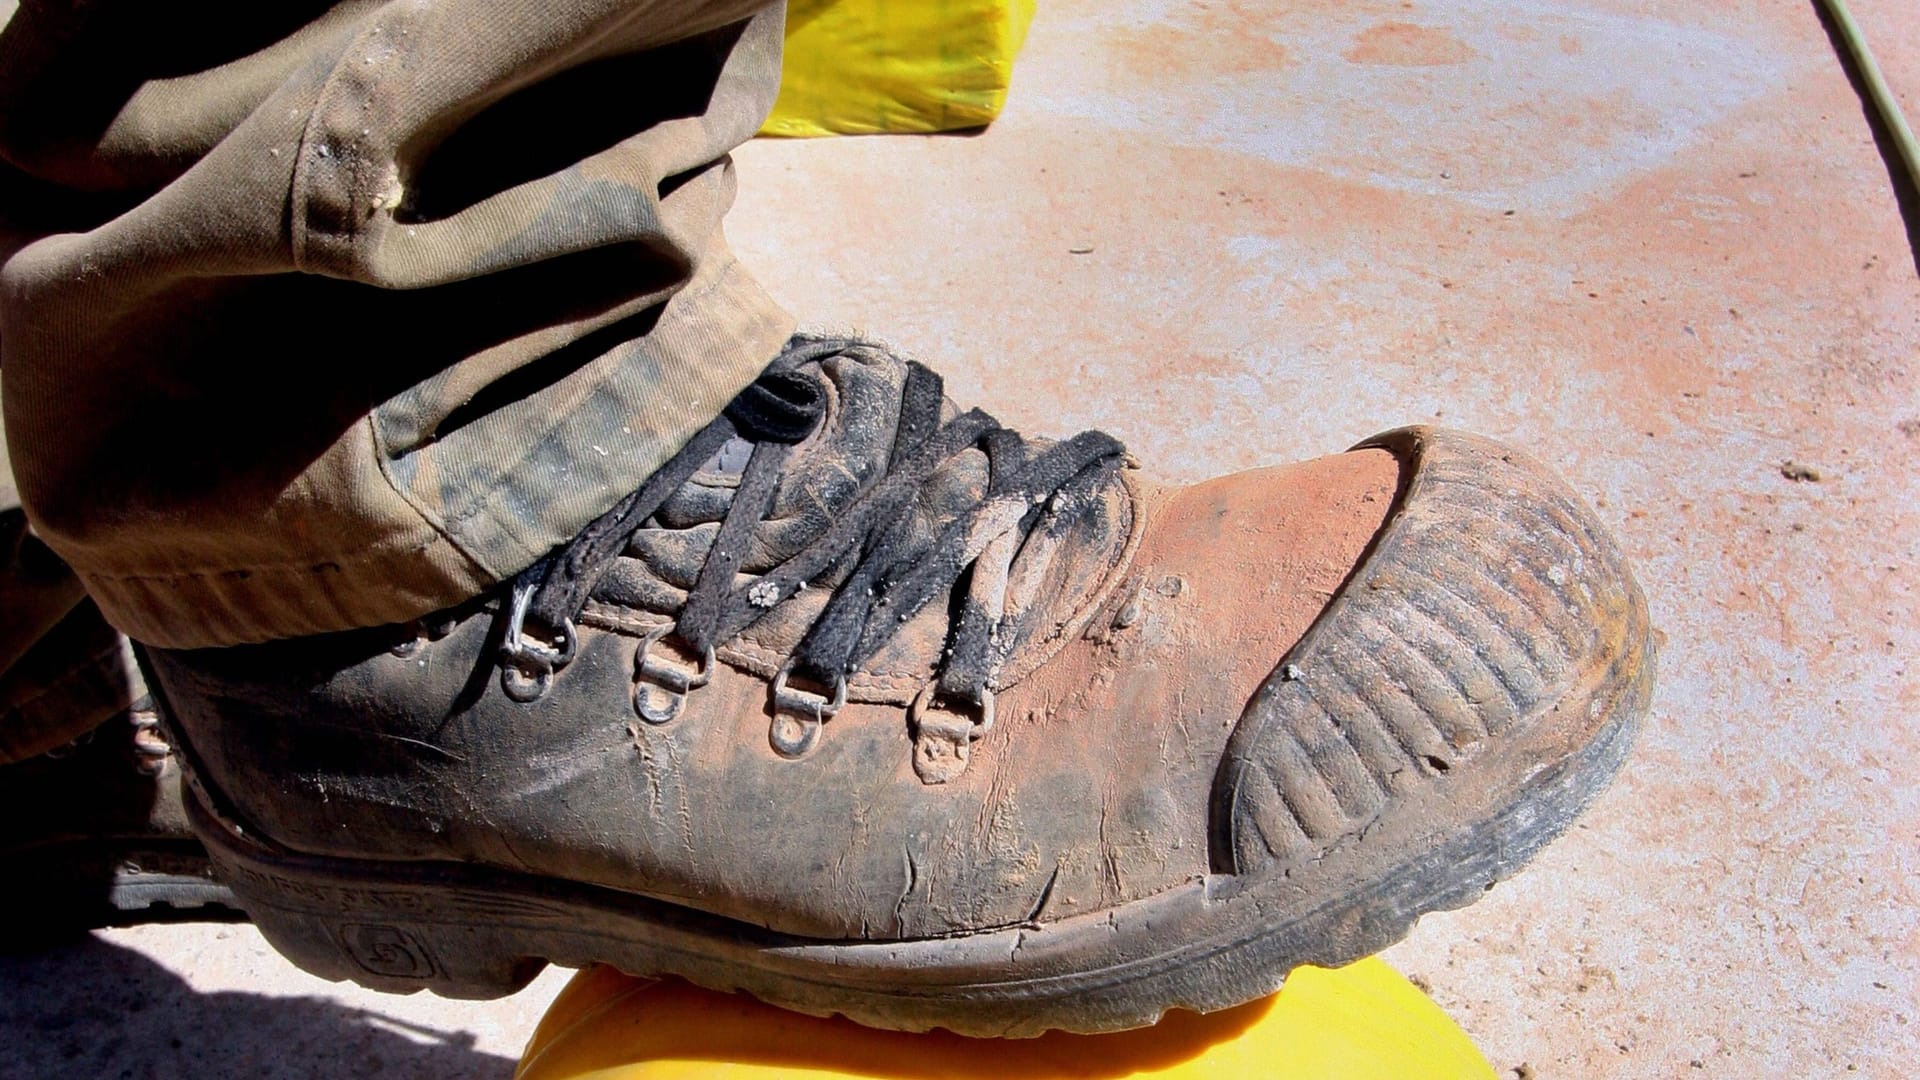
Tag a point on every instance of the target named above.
point(1650, 241)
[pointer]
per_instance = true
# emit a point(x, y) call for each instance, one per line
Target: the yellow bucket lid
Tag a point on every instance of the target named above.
point(1361, 1021)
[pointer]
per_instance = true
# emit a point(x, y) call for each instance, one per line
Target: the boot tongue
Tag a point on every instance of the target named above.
point(1058, 566)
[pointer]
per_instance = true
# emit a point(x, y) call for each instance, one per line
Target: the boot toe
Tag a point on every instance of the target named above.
point(1491, 632)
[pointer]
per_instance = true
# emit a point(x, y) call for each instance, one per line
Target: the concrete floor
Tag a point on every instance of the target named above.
point(1651, 241)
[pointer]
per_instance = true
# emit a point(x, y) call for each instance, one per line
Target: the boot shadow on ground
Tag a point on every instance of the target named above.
point(89, 1008)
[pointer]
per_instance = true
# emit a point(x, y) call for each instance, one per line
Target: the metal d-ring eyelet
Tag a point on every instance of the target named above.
point(793, 736)
point(560, 653)
point(413, 644)
point(527, 664)
point(943, 745)
point(526, 671)
point(673, 684)
point(799, 714)
point(427, 629)
point(662, 712)
point(524, 682)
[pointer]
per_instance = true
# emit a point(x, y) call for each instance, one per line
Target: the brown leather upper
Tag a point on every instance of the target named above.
point(1090, 789)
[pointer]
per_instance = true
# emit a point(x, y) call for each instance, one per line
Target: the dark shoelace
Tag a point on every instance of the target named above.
point(891, 579)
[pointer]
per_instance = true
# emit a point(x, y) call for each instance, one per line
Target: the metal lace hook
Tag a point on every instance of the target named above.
point(527, 664)
point(799, 714)
point(650, 675)
point(525, 682)
point(943, 744)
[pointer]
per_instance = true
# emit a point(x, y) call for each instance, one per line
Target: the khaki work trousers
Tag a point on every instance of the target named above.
point(326, 315)
point(63, 670)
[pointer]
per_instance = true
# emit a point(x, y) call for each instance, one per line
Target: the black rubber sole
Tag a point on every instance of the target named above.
point(475, 932)
point(70, 889)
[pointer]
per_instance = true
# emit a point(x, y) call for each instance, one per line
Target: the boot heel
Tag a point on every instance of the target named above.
point(380, 953)
point(383, 937)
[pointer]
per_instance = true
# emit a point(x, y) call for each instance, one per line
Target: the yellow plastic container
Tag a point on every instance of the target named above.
point(1362, 1021)
point(862, 67)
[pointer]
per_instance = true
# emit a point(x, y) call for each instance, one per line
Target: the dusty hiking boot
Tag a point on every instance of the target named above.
point(95, 834)
point(870, 706)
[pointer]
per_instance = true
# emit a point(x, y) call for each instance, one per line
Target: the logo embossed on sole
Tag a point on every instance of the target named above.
point(387, 950)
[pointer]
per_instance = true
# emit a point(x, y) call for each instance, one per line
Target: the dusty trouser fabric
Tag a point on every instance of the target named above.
point(63, 670)
point(316, 316)
point(75, 675)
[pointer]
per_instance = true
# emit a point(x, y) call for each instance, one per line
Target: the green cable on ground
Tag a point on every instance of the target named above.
point(1877, 89)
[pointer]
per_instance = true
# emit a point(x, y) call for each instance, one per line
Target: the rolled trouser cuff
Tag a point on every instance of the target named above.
point(76, 677)
point(464, 511)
